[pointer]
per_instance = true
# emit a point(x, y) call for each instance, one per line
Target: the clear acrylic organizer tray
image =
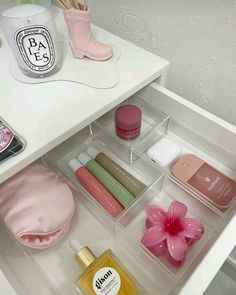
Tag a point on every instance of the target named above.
point(190, 142)
point(157, 125)
point(161, 189)
point(93, 226)
point(13, 259)
point(131, 226)
point(96, 137)
point(56, 266)
point(151, 118)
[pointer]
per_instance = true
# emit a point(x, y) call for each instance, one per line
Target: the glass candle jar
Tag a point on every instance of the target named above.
point(31, 34)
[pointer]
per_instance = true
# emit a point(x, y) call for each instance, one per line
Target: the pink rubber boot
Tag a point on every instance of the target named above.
point(81, 39)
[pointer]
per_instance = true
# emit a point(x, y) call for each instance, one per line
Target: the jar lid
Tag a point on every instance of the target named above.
point(128, 117)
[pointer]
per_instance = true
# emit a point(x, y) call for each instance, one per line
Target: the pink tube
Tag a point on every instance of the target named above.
point(98, 191)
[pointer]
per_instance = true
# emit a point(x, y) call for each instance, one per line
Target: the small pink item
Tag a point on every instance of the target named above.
point(81, 39)
point(37, 206)
point(128, 121)
point(170, 233)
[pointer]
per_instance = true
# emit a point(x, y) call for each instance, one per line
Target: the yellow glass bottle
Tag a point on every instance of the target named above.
point(102, 275)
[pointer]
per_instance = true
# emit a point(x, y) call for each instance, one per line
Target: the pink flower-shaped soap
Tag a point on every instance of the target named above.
point(171, 232)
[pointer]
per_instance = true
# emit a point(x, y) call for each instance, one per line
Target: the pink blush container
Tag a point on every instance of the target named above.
point(128, 121)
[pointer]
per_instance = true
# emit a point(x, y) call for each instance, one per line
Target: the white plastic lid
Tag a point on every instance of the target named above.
point(164, 152)
point(84, 158)
point(74, 165)
point(93, 152)
point(75, 245)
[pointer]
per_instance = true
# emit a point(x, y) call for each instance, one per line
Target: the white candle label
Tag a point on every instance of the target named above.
point(36, 48)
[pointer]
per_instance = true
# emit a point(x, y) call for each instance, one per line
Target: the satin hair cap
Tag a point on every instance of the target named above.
point(37, 206)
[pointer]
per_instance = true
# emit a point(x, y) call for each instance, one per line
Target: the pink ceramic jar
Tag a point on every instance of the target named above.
point(128, 121)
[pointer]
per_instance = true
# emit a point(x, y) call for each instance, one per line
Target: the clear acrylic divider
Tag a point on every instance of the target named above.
point(123, 234)
point(190, 142)
point(155, 279)
point(131, 227)
point(59, 158)
point(25, 276)
point(151, 118)
point(58, 262)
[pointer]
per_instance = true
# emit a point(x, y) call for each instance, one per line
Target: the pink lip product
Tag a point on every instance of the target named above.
point(96, 189)
point(128, 121)
point(207, 181)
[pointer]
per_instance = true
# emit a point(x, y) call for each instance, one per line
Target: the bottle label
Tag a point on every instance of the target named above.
point(36, 47)
point(6, 137)
point(213, 184)
point(106, 281)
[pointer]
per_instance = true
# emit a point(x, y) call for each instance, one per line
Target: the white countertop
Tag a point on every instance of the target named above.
point(47, 114)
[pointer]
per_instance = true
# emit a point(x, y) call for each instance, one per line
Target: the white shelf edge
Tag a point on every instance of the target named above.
point(212, 262)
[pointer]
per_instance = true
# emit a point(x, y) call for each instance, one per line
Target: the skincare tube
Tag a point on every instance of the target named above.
point(131, 183)
point(113, 185)
point(96, 189)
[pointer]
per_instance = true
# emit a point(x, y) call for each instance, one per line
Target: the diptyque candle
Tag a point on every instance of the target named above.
point(31, 33)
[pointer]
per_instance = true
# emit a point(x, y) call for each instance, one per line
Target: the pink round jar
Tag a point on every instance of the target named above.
point(128, 121)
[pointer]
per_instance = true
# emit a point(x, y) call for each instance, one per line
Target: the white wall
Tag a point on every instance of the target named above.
point(198, 37)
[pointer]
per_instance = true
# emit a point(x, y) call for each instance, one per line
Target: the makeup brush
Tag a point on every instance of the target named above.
point(85, 5)
point(67, 4)
point(76, 4)
point(63, 3)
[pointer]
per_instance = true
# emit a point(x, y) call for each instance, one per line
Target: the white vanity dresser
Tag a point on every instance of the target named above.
point(56, 119)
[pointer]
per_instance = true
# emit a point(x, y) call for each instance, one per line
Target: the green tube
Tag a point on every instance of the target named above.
point(114, 187)
point(132, 184)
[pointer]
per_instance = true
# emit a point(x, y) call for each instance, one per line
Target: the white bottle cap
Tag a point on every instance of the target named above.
point(84, 158)
point(93, 152)
point(74, 165)
point(75, 245)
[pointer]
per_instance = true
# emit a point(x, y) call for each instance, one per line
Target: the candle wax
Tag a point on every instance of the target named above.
point(23, 10)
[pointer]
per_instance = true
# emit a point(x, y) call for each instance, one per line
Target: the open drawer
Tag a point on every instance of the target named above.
point(199, 132)
point(218, 147)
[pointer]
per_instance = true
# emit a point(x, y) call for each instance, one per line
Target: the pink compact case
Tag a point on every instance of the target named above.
point(128, 121)
point(208, 182)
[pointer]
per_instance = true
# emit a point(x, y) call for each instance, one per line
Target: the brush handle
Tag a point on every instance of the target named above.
point(85, 5)
point(63, 3)
point(76, 4)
